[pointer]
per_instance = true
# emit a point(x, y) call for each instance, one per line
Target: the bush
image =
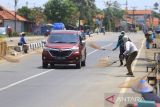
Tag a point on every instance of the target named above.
point(2, 37)
point(28, 33)
point(15, 34)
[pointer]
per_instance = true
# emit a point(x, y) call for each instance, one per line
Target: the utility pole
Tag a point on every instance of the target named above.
point(145, 18)
point(133, 18)
point(126, 5)
point(126, 14)
point(15, 23)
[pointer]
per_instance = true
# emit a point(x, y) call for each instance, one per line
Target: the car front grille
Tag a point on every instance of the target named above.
point(60, 53)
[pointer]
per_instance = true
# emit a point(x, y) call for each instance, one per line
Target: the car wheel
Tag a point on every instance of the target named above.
point(83, 63)
point(78, 66)
point(45, 65)
point(52, 65)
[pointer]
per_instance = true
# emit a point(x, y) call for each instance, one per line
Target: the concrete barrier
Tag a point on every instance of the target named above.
point(3, 48)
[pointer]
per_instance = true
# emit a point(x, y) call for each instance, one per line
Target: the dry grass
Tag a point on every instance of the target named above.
point(131, 82)
point(95, 46)
point(105, 62)
point(10, 59)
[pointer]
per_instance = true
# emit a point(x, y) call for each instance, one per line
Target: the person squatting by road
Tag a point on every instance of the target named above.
point(23, 43)
point(120, 44)
point(149, 39)
point(131, 52)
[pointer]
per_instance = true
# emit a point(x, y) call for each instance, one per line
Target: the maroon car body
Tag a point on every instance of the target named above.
point(64, 47)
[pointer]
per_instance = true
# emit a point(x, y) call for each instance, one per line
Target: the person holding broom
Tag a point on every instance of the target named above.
point(131, 52)
point(120, 44)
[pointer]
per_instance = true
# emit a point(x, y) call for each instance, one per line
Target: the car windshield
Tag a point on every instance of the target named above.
point(63, 38)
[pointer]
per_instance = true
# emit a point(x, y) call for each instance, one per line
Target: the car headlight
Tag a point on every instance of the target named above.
point(75, 48)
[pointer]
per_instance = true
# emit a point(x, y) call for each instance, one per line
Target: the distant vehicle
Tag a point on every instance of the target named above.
point(58, 26)
point(157, 30)
point(64, 47)
point(133, 29)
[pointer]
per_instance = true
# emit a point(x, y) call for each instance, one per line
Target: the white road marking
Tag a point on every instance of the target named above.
point(26, 79)
point(123, 90)
point(37, 75)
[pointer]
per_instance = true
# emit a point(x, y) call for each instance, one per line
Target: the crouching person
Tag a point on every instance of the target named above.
point(131, 52)
point(22, 42)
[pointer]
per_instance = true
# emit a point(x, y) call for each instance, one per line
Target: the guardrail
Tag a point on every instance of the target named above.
point(31, 46)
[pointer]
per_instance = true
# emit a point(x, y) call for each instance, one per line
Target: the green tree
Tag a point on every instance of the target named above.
point(112, 14)
point(34, 15)
point(25, 12)
point(155, 14)
point(38, 15)
point(61, 11)
point(87, 10)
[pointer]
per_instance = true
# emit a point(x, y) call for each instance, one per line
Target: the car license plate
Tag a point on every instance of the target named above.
point(60, 58)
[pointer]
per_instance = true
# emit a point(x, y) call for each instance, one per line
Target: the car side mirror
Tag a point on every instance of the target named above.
point(44, 42)
point(83, 42)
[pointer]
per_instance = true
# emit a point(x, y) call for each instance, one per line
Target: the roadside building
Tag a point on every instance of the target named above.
point(7, 18)
point(142, 18)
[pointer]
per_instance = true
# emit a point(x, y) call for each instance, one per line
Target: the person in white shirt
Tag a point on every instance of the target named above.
point(131, 52)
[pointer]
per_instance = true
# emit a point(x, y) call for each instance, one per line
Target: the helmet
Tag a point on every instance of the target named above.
point(123, 32)
point(125, 38)
point(149, 32)
point(23, 34)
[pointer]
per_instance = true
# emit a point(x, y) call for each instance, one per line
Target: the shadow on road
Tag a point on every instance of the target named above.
point(59, 67)
point(145, 59)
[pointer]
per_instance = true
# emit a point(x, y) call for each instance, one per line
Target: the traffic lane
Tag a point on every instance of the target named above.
point(85, 87)
point(74, 84)
point(95, 77)
point(79, 88)
point(28, 66)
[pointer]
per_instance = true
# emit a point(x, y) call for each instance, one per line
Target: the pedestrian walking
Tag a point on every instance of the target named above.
point(131, 52)
point(46, 35)
point(120, 44)
point(149, 39)
point(9, 31)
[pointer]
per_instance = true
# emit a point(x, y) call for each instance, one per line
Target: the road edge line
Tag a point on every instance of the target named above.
point(123, 90)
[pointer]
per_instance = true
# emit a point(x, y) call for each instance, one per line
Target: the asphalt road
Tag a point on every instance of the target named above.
point(26, 84)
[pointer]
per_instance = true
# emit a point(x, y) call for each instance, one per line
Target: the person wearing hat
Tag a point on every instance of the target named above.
point(145, 90)
point(131, 52)
point(23, 42)
point(120, 44)
point(149, 39)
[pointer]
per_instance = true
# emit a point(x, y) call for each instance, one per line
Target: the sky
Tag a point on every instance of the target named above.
point(139, 4)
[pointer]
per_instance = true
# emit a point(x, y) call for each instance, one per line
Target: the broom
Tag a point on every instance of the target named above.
point(130, 83)
point(9, 59)
point(104, 62)
point(95, 46)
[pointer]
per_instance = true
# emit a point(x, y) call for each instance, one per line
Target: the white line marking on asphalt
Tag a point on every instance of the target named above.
point(37, 75)
point(21, 81)
point(123, 90)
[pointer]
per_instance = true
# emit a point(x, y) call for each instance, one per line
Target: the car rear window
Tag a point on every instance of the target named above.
point(63, 38)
